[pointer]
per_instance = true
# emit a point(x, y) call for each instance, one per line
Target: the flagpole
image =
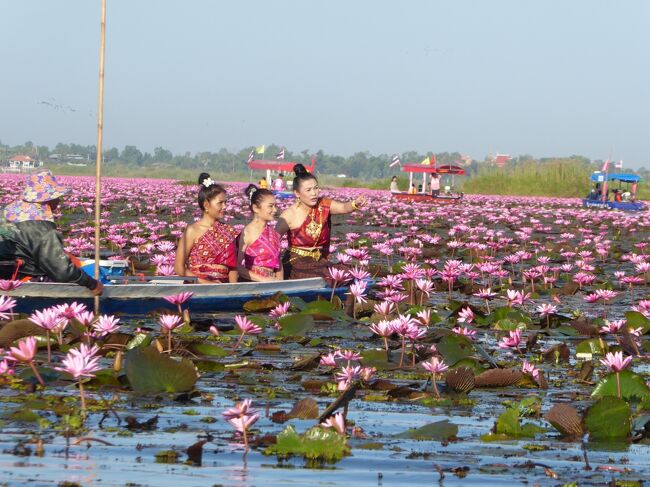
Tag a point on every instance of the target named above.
point(100, 130)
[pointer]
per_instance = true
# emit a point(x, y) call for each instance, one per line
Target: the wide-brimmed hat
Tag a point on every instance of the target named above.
point(43, 186)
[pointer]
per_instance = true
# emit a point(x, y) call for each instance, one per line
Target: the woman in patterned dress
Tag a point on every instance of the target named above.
point(307, 224)
point(259, 243)
point(207, 250)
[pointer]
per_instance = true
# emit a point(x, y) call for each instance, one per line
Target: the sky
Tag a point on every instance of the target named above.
point(546, 78)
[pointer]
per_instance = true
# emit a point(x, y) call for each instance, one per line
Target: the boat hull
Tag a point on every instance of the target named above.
point(427, 198)
point(613, 205)
point(283, 195)
point(140, 299)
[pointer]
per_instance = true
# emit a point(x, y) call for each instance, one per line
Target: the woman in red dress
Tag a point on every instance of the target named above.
point(207, 249)
point(308, 225)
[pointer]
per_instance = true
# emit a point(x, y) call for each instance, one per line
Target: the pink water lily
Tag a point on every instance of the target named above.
point(246, 327)
point(25, 353)
point(336, 422)
point(169, 323)
point(242, 416)
point(435, 366)
point(6, 304)
point(179, 299)
point(81, 363)
point(49, 320)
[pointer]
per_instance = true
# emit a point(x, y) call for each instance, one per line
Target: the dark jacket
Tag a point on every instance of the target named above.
point(40, 247)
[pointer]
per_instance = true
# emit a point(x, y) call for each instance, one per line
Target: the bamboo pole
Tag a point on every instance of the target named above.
point(100, 130)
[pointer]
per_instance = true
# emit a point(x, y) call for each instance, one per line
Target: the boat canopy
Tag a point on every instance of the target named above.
point(626, 178)
point(425, 168)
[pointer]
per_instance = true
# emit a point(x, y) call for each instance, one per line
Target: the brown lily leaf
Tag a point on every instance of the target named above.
point(498, 378)
point(586, 370)
point(565, 419)
point(460, 379)
point(306, 363)
point(133, 424)
point(306, 408)
point(195, 452)
point(559, 352)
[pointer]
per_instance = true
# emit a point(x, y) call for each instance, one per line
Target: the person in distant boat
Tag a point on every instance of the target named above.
point(259, 244)
point(207, 249)
point(626, 195)
point(412, 189)
point(264, 184)
point(435, 184)
point(307, 224)
point(278, 183)
point(618, 196)
point(394, 188)
point(31, 231)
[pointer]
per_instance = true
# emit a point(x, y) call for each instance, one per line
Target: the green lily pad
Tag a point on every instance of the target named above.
point(438, 431)
point(509, 424)
point(632, 386)
point(209, 350)
point(637, 320)
point(454, 348)
point(138, 340)
point(319, 308)
point(296, 324)
point(150, 372)
point(316, 444)
point(376, 358)
point(594, 346)
point(609, 418)
point(260, 305)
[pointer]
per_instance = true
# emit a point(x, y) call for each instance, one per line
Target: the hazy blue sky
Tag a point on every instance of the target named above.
point(551, 77)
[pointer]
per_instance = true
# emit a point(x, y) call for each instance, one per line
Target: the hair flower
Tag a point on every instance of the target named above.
point(207, 182)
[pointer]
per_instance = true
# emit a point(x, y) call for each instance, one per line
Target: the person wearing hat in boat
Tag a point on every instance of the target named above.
point(308, 224)
point(38, 247)
point(207, 250)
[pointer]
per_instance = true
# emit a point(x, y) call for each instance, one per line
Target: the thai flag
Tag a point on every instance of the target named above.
point(251, 156)
point(280, 155)
point(619, 165)
point(395, 161)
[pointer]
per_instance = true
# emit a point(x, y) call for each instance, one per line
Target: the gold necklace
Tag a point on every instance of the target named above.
point(313, 228)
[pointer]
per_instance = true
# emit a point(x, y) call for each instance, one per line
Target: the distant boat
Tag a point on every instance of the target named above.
point(444, 197)
point(598, 197)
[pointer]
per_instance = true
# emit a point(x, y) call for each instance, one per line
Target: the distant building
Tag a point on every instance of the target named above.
point(22, 163)
point(500, 160)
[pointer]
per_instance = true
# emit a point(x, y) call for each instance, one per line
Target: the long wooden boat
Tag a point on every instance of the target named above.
point(428, 198)
point(141, 298)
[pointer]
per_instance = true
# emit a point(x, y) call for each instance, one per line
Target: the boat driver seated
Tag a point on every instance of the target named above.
point(618, 196)
point(36, 245)
point(626, 195)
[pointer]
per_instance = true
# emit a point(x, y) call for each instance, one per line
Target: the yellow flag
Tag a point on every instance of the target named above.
point(426, 161)
point(260, 149)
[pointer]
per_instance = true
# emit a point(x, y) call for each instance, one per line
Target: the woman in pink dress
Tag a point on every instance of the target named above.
point(259, 243)
point(207, 249)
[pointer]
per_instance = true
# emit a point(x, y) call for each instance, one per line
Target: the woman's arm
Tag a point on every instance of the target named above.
point(343, 208)
point(183, 251)
point(243, 245)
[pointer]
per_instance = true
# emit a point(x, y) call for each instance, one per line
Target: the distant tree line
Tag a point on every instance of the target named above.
point(361, 165)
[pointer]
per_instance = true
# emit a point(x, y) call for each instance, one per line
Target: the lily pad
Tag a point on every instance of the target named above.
point(317, 443)
point(593, 346)
point(632, 386)
point(296, 324)
point(376, 358)
point(609, 418)
point(509, 424)
point(637, 320)
point(208, 350)
point(438, 431)
point(260, 305)
point(454, 348)
point(150, 372)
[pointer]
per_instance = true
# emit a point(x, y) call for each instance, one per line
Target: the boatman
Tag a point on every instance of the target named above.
point(31, 231)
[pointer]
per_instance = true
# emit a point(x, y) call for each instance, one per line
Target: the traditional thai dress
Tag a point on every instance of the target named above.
point(262, 257)
point(278, 184)
point(309, 244)
point(214, 253)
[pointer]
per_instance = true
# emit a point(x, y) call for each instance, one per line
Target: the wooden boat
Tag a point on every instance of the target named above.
point(138, 298)
point(428, 198)
point(283, 194)
point(598, 197)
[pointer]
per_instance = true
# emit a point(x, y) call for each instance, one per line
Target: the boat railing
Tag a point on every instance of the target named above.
point(144, 279)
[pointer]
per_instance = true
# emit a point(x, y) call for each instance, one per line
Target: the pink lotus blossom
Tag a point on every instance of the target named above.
point(329, 360)
point(242, 416)
point(465, 315)
point(246, 327)
point(9, 284)
point(280, 310)
point(25, 351)
point(384, 308)
point(106, 324)
point(615, 361)
point(512, 340)
point(336, 422)
point(464, 331)
point(435, 365)
point(530, 369)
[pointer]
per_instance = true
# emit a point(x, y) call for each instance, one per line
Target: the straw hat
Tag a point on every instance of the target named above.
point(43, 186)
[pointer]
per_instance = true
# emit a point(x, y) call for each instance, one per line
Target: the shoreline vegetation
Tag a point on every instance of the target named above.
point(521, 176)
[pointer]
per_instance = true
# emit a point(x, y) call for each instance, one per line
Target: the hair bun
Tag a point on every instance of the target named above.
point(299, 170)
point(203, 176)
point(250, 190)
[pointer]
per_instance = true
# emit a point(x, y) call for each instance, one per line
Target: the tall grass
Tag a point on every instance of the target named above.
point(557, 178)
